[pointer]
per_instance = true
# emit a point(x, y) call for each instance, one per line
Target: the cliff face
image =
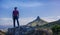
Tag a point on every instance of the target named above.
point(36, 22)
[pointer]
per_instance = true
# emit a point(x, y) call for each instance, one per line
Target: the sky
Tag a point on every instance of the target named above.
point(48, 10)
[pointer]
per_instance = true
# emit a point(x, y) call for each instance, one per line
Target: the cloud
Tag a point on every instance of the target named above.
point(9, 21)
point(5, 21)
point(51, 18)
point(24, 21)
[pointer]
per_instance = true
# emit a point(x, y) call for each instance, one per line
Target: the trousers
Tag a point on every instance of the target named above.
point(15, 18)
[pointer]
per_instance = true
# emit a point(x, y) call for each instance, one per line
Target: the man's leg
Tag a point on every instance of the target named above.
point(14, 22)
point(17, 22)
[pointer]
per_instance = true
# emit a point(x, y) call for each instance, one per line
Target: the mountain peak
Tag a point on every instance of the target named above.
point(38, 18)
point(38, 21)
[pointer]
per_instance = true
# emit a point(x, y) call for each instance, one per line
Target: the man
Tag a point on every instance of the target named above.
point(15, 16)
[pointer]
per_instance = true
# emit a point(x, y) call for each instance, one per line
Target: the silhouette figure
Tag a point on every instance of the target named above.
point(15, 16)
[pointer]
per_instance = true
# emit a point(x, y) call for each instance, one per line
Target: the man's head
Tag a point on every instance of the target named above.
point(15, 8)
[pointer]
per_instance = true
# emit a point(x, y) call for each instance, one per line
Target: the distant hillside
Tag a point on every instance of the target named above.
point(36, 22)
point(49, 25)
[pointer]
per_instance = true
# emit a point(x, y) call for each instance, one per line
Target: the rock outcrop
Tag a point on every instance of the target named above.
point(30, 31)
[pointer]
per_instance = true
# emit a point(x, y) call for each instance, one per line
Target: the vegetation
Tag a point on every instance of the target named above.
point(56, 29)
point(54, 26)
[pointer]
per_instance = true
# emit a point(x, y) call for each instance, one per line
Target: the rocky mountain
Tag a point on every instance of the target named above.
point(37, 22)
point(2, 32)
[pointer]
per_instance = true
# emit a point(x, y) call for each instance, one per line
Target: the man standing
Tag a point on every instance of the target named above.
point(15, 16)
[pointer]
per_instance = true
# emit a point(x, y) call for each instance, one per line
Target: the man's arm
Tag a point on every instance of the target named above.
point(18, 14)
point(12, 14)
